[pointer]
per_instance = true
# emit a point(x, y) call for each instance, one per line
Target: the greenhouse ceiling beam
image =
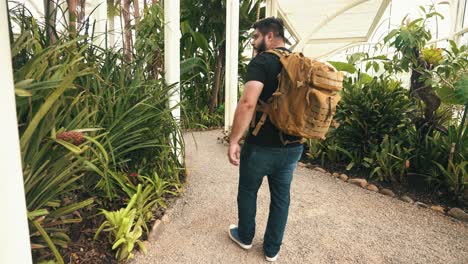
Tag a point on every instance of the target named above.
point(461, 32)
point(348, 46)
point(172, 37)
point(336, 40)
point(301, 45)
point(232, 49)
point(377, 18)
point(456, 16)
point(15, 246)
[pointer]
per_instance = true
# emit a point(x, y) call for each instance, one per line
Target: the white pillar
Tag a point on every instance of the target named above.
point(99, 14)
point(15, 246)
point(232, 50)
point(172, 37)
point(271, 8)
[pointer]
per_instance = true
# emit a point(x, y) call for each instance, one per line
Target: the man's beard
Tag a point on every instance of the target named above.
point(262, 47)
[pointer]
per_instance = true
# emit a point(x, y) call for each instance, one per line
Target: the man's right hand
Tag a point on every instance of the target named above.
point(234, 153)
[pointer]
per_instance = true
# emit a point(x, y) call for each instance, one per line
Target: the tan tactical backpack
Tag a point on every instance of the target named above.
point(305, 101)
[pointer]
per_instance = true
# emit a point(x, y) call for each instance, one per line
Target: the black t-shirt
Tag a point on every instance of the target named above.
point(265, 68)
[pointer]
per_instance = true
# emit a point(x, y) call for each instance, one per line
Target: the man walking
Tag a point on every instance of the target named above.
point(264, 152)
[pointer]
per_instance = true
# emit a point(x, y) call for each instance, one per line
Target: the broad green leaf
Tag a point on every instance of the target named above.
point(75, 149)
point(36, 213)
point(187, 65)
point(458, 95)
point(343, 66)
point(118, 242)
point(22, 92)
point(71, 208)
point(365, 78)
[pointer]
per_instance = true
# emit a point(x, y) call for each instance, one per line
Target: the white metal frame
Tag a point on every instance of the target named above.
point(100, 15)
point(232, 50)
point(457, 12)
point(15, 246)
point(172, 37)
point(288, 25)
point(302, 44)
point(456, 30)
point(271, 8)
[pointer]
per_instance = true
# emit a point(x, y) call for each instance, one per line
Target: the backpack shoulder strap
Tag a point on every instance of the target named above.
point(264, 107)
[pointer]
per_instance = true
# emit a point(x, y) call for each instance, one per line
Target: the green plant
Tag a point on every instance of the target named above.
point(440, 149)
point(455, 176)
point(85, 118)
point(450, 77)
point(145, 205)
point(432, 55)
point(391, 161)
point(203, 53)
point(331, 153)
point(49, 225)
point(51, 166)
point(161, 187)
point(149, 197)
point(315, 149)
point(366, 113)
point(408, 40)
point(425, 144)
point(124, 227)
point(451, 80)
point(150, 41)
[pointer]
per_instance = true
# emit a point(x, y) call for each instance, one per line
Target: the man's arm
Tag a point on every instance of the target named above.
point(256, 76)
point(242, 117)
point(245, 109)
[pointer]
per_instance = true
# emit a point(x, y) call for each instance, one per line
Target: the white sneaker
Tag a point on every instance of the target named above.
point(271, 259)
point(234, 235)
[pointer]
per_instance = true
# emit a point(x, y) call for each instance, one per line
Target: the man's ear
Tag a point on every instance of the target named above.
point(270, 36)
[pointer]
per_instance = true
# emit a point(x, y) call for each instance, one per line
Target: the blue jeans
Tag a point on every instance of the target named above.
point(278, 165)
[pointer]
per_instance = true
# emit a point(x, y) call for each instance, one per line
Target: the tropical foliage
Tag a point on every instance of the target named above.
point(411, 135)
point(92, 124)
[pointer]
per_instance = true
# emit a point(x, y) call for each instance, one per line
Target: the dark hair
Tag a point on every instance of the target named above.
point(270, 24)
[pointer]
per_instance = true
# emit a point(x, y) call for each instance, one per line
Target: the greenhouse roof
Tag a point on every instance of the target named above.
point(320, 27)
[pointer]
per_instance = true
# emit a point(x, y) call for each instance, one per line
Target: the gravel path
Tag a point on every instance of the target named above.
point(330, 221)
